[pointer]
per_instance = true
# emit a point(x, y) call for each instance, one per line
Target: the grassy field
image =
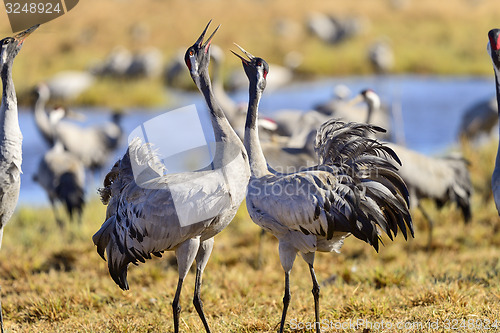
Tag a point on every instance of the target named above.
point(54, 281)
point(427, 37)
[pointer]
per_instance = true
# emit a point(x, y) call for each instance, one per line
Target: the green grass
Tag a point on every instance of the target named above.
point(54, 281)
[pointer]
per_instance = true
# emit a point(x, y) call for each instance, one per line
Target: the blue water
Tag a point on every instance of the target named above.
point(431, 106)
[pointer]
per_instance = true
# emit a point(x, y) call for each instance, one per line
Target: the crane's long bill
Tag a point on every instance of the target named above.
point(24, 34)
point(242, 59)
point(209, 40)
point(248, 54)
point(356, 100)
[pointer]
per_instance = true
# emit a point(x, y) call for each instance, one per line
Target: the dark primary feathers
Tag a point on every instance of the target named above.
point(379, 196)
point(141, 218)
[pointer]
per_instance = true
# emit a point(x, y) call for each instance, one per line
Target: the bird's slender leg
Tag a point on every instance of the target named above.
point(185, 253)
point(201, 261)
point(286, 301)
point(59, 221)
point(287, 257)
point(261, 242)
point(309, 258)
point(1, 316)
point(430, 224)
point(315, 292)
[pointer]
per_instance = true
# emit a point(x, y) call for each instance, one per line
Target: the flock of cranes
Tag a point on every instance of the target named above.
point(345, 179)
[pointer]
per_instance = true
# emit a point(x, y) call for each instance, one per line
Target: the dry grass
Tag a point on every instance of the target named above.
point(54, 281)
point(443, 37)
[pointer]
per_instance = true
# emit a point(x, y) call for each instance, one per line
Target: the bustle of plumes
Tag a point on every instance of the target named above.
point(380, 198)
point(119, 254)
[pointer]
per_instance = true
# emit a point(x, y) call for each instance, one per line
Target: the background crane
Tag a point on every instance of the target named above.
point(62, 175)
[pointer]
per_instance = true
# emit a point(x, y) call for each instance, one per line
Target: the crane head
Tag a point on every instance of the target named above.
point(10, 46)
point(197, 57)
point(255, 68)
point(494, 46)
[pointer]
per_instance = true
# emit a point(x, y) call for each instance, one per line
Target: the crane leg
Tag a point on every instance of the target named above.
point(201, 261)
point(259, 255)
point(315, 292)
point(286, 301)
point(287, 257)
point(309, 259)
point(59, 221)
point(430, 224)
point(185, 253)
point(175, 305)
point(1, 316)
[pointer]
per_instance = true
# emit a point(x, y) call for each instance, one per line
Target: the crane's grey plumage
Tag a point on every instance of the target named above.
point(494, 51)
point(334, 30)
point(141, 221)
point(62, 175)
point(146, 63)
point(11, 138)
point(442, 179)
point(479, 119)
point(93, 145)
point(68, 85)
point(355, 190)
point(381, 56)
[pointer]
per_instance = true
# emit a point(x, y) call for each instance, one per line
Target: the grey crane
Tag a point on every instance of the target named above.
point(442, 179)
point(479, 119)
point(494, 51)
point(11, 137)
point(355, 190)
point(142, 219)
point(93, 145)
point(62, 175)
point(68, 85)
point(381, 56)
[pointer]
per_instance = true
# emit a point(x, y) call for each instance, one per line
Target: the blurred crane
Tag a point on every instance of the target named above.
point(11, 137)
point(443, 180)
point(381, 56)
point(143, 221)
point(494, 51)
point(68, 85)
point(479, 119)
point(93, 145)
point(316, 209)
point(62, 175)
point(334, 30)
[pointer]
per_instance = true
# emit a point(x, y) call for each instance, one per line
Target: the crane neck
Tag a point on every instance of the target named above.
point(258, 164)
point(222, 129)
point(9, 123)
point(497, 87)
point(42, 119)
point(370, 113)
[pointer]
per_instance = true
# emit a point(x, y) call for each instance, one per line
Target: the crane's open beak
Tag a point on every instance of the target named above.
point(209, 40)
point(20, 37)
point(250, 57)
point(356, 100)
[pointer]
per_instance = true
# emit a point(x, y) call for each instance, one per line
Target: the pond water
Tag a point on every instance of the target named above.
point(431, 109)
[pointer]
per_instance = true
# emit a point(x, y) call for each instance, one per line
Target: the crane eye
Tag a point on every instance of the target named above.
point(191, 53)
point(259, 63)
